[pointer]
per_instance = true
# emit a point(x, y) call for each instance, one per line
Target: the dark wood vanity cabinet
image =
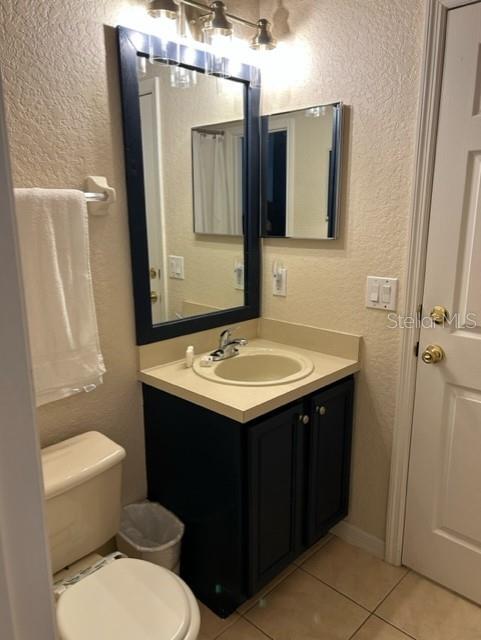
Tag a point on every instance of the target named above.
point(275, 485)
point(328, 458)
point(252, 496)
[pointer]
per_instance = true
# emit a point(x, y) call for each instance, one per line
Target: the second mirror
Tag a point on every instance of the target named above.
point(301, 161)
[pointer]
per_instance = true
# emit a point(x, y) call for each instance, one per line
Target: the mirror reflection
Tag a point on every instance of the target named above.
point(217, 162)
point(301, 167)
point(193, 164)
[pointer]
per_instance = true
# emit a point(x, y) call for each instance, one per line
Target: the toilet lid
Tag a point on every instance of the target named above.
point(125, 600)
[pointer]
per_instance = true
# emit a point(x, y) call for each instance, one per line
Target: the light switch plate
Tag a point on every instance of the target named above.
point(279, 280)
point(381, 293)
point(176, 267)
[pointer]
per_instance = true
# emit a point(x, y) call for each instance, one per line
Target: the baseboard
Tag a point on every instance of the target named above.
point(359, 538)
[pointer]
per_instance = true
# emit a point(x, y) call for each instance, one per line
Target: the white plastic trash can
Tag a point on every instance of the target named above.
point(150, 532)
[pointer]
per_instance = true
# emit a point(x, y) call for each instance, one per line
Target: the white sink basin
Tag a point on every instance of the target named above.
point(257, 367)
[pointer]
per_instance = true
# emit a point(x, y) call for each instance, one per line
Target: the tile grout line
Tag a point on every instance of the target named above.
point(391, 590)
point(377, 615)
point(337, 591)
point(278, 584)
point(257, 627)
point(390, 624)
point(360, 627)
point(243, 615)
point(229, 626)
point(372, 614)
point(296, 567)
point(313, 552)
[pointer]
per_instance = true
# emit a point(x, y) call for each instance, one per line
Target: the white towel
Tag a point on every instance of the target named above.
point(62, 323)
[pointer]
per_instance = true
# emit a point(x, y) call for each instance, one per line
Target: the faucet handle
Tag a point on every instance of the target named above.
point(225, 337)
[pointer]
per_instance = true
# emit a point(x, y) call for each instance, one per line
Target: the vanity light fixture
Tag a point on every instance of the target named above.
point(217, 32)
point(216, 20)
point(166, 9)
point(263, 40)
point(182, 77)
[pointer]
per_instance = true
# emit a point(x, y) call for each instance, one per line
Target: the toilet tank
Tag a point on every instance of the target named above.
point(82, 482)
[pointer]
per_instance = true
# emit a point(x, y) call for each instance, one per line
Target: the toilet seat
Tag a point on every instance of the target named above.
point(128, 600)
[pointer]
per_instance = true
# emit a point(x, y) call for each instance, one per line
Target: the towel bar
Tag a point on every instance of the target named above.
point(98, 195)
point(95, 197)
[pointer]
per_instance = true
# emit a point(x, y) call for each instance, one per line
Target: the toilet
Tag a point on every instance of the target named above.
point(110, 598)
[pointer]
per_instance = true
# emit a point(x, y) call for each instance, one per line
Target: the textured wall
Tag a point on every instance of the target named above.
point(59, 65)
point(367, 54)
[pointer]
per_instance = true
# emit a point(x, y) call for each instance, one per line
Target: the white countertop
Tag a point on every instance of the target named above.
point(244, 403)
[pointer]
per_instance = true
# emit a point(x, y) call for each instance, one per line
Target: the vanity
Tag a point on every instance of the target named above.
point(257, 473)
point(252, 453)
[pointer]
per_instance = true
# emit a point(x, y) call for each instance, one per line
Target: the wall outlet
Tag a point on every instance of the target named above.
point(176, 267)
point(279, 280)
point(239, 274)
point(381, 293)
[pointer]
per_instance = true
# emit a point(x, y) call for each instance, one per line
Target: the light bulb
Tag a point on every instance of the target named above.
point(220, 44)
point(182, 78)
point(141, 66)
point(166, 27)
point(217, 54)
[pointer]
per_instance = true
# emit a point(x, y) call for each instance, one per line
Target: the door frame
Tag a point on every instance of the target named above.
point(26, 606)
point(432, 72)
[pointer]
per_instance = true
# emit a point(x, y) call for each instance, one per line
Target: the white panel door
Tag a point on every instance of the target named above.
point(443, 523)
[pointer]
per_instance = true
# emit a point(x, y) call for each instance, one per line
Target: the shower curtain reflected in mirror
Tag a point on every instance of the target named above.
point(216, 208)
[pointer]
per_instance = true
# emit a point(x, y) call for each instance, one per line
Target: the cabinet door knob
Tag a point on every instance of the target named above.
point(321, 410)
point(304, 419)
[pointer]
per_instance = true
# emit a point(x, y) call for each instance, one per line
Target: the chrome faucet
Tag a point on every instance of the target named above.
point(228, 346)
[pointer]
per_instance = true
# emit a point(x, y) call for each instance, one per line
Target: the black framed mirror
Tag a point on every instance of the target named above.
point(190, 272)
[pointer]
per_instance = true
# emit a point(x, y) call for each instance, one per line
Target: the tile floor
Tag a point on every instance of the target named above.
point(338, 592)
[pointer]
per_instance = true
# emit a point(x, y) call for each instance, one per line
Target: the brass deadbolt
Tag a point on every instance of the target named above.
point(439, 314)
point(154, 296)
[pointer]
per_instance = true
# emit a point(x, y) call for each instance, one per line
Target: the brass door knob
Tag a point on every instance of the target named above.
point(154, 296)
point(433, 354)
point(439, 314)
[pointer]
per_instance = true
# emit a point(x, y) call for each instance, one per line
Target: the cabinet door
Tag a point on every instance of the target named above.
point(275, 491)
point(329, 458)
